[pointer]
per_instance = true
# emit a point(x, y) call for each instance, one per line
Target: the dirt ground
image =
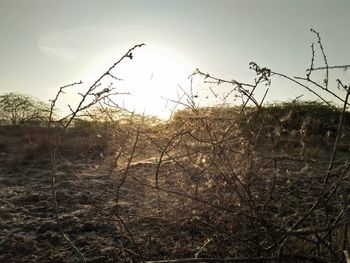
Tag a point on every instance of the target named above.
point(87, 207)
point(141, 222)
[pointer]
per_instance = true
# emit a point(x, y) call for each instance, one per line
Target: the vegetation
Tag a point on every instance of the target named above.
point(19, 109)
point(249, 183)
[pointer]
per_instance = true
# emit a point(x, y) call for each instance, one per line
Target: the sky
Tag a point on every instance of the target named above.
point(46, 44)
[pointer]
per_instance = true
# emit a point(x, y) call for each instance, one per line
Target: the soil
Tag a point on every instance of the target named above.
point(136, 222)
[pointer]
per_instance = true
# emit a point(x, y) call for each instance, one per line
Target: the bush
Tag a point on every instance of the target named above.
point(18, 109)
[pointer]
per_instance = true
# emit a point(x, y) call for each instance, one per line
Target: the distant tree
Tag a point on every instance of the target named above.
point(19, 109)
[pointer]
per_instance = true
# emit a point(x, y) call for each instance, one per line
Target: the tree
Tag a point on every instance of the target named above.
point(19, 109)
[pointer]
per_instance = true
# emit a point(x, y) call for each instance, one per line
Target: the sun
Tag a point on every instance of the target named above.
point(151, 78)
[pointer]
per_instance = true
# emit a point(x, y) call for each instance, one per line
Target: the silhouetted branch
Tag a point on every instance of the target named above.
point(324, 56)
point(302, 85)
point(55, 142)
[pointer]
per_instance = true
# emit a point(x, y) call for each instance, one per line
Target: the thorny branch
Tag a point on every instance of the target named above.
point(247, 90)
point(234, 167)
point(98, 96)
point(324, 56)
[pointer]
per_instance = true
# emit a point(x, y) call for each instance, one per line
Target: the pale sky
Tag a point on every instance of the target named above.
point(49, 43)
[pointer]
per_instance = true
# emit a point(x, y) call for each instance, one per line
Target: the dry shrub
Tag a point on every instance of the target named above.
point(238, 193)
point(24, 144)
point(217, 181)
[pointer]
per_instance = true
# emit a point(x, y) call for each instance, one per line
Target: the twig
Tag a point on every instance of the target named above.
point(131, 237)
point(324, 56)
point(340, 125)
point(55, 143)
point(126, 171)
point(323, 88)
point(302, 85)
point(330, 67)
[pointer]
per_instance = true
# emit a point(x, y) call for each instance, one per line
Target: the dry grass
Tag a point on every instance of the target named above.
point(183, 193)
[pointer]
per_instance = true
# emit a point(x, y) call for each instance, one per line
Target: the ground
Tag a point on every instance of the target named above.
point(263, 192)
point(142, 222)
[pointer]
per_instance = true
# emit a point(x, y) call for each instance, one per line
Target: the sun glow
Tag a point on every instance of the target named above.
point(152, 77)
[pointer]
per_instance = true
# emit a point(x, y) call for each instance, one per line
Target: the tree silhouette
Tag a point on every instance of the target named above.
point(19, 109)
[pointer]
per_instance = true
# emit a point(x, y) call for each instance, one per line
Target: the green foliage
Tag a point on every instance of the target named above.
point(19, 109)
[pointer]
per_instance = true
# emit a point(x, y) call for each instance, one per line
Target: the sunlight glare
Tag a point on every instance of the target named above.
point(151, 77)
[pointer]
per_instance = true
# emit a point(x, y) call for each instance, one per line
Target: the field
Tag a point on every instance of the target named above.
point(216, 184)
